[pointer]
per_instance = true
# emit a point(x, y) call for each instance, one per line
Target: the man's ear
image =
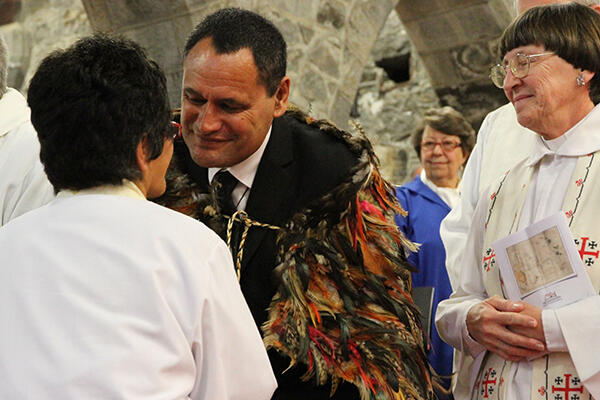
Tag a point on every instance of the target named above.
point(281, 97)
point(596, 7)
point(141, 157)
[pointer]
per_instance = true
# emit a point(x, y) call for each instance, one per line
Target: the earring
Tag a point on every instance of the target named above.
point(580, 80)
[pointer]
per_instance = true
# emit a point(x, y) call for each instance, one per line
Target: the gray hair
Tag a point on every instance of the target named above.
point(3, 65)
point(448, 121)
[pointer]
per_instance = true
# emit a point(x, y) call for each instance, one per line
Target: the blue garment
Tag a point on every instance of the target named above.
point(422, 225)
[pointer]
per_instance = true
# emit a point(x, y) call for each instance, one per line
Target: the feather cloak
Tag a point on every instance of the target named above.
point(343, 307)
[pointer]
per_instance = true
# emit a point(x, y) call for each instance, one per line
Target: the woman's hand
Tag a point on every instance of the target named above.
point(509, 329)
point(536, 332)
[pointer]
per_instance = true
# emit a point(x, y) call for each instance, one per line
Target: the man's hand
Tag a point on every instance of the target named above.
point(507, 328)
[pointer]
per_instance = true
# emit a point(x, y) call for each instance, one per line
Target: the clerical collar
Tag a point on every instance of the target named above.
point(245, 171)
point(583, 138)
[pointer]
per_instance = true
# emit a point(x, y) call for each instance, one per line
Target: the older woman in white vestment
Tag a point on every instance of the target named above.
point(104, 295)
point(551, 74)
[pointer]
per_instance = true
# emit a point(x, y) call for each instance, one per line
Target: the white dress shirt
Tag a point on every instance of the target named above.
point(244, 172)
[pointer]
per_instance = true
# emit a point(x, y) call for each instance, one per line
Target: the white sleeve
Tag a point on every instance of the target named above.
point(555, 340)
point(455, 227)
point(26, 186)
point(580, 325)
point(231, 360)
point(451, 314)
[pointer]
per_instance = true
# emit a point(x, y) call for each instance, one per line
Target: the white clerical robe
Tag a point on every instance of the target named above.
point(23, 183)
point(104, 295)
point(501, 143)
point(574, 328)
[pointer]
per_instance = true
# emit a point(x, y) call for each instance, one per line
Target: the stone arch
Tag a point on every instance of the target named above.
point(456, 41)
point(449, 46)
point(328, 41)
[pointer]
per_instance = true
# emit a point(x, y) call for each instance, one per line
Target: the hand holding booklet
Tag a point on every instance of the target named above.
point(541, 265)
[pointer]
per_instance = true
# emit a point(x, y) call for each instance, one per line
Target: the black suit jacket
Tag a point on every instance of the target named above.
point(300, 164)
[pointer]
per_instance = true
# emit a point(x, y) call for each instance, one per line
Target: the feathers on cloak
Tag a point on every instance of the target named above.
point(343, 307)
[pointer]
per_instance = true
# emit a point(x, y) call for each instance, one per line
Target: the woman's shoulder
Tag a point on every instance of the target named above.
point(407, 192)
point(411, 188)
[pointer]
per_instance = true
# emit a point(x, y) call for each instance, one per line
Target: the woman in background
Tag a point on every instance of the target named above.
point(443, 142)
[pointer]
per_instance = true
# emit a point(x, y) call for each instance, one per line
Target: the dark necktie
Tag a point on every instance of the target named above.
point(225, 185)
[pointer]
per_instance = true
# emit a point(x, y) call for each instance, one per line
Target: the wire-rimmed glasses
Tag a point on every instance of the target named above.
point(519, 66)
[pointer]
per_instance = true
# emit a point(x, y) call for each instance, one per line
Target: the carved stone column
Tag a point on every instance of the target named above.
point(456, 40)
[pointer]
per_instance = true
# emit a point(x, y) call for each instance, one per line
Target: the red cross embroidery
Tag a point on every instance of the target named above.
point(569, 213)
point(582, 253)
point(579, 181)
point(489, 261)
point(542, 390)
point(568, 389)
point(487, 381)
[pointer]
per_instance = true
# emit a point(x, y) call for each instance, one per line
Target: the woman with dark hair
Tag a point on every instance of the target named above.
point(550, 72)
point(443, 141)
point(103, 294)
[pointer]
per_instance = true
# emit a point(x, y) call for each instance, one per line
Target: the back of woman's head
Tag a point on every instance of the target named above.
point(91, 105)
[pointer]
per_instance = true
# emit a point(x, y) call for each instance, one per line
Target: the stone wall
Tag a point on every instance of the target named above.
point(456, 39)
point(41, 26)
point(389, 111)
point(447, 47)
point(329, 41)
point(380, 62)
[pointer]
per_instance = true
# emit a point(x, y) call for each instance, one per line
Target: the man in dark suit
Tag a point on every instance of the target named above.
point(262, 177)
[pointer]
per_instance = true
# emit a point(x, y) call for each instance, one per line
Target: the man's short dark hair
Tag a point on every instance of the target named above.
point(92, 104)
point(232, 29)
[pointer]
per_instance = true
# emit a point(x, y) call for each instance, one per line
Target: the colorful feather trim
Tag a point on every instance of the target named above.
point(344, 307)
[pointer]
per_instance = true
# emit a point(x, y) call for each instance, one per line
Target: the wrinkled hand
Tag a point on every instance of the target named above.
point(507, 328)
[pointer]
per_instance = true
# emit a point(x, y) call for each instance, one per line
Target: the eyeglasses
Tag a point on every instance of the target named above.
point(446, 145)
point(173, 130)
point(519, 66)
